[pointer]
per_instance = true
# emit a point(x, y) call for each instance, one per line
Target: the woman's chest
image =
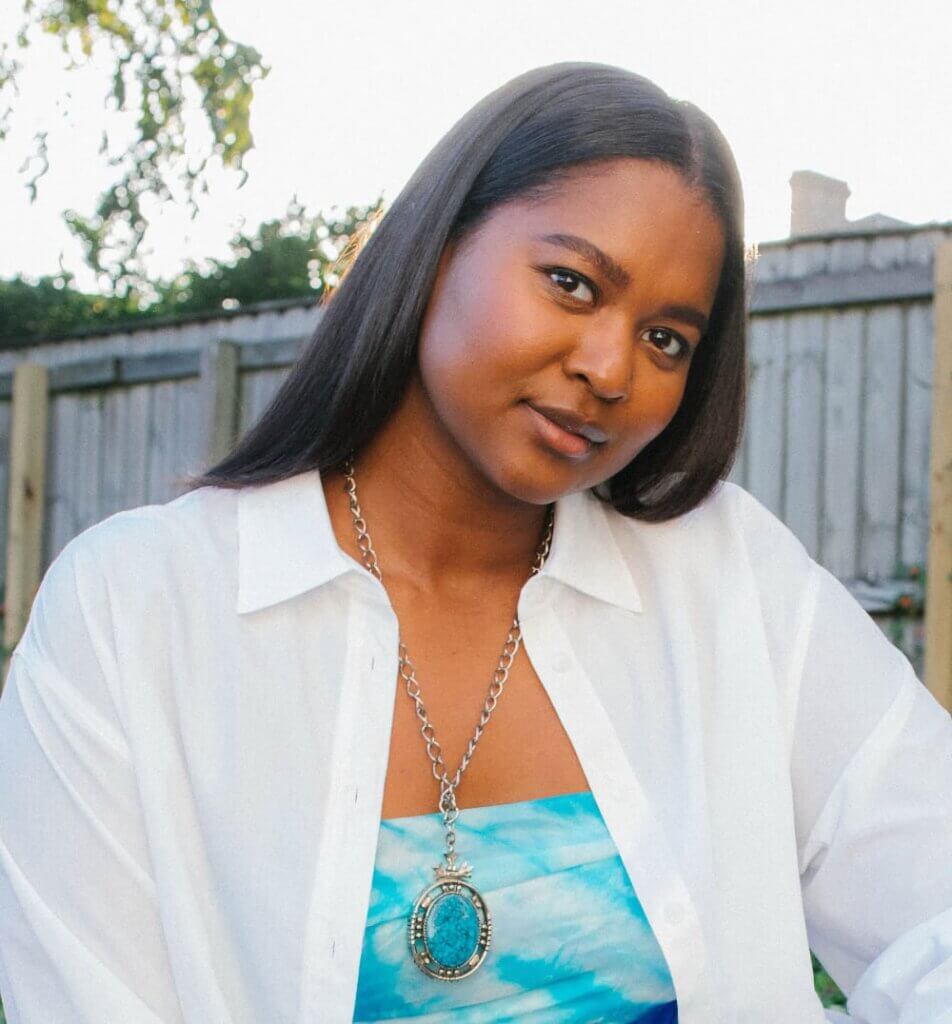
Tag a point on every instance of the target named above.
point(467, 683)
point(272, 763)
point(523, 751)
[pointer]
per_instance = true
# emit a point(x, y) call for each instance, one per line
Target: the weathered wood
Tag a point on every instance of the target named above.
point(803, 469)
point(6, 410)
point(26, 501)
point(220, 363)
point(159, 366)
point(865, 287)
point(264, 355)
point(772, 263)
point(160, 452)
point(938, 660)
point(88, 458)
point(89, 373)
point(881, 443)
point(808, 259)
point(847, 255)
point(914, 519)
point(765, 427)
point(887, 251)
point(62, 514)
point(839, 540)
point(191, 441)
point(135, 457)
point(112, 482)
point(258, 389)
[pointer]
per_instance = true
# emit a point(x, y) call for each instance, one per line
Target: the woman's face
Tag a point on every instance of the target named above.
point(558, 335)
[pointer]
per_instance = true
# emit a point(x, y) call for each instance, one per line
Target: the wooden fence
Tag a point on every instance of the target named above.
point(838, 439)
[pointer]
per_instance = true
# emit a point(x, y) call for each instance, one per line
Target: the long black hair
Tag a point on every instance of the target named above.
point(517, 142)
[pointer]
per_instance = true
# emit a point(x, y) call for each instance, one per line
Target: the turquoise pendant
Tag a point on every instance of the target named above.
point(450, 926)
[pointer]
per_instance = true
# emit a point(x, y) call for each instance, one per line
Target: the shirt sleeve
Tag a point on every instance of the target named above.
point(81, 939)
point(872, 771)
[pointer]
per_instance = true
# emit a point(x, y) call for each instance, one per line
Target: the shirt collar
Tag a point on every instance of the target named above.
point(286, 546)
point(585, 554)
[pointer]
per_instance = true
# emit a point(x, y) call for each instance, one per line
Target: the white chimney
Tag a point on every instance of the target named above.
point(817, 203)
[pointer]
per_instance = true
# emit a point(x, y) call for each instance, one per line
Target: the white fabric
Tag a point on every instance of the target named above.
point(195, 728)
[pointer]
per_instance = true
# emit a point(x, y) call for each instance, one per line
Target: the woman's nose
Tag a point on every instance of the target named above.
point(603, 357)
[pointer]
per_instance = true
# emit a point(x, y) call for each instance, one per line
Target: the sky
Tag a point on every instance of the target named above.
point(360, 90)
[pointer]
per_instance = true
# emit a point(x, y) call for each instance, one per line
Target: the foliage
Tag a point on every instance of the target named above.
point(826, 987)
point(51, 307)
point(171, 59)
point(295, 256)
point(910, 602)
point(905, 627)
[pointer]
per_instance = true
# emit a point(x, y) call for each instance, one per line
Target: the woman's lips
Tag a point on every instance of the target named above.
point(556, 437)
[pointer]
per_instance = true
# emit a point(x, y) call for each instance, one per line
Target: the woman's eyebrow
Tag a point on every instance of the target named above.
point(619, 277)
point(687, 315)
point(591, 252)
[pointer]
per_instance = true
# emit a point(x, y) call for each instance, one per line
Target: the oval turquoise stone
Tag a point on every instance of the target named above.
point(452, 930)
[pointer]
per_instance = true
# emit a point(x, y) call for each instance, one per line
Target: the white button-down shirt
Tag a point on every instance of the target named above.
point(194, 740)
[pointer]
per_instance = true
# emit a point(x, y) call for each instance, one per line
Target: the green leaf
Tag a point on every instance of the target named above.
point(154, 44)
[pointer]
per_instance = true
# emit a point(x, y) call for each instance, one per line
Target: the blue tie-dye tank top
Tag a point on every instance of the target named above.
point(570, 940)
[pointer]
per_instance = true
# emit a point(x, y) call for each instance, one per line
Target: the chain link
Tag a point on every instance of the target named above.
point(510, 649)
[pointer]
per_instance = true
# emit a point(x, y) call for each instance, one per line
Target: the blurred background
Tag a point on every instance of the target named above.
point(180, 182)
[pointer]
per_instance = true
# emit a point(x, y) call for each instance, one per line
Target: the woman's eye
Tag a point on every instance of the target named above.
point(664, 340)
point(572, 284)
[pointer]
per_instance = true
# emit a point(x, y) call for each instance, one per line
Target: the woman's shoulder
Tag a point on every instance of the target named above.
point(728, 520)
point(138, 550)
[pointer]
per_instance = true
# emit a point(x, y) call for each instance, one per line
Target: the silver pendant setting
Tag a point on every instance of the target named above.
point(450, 927)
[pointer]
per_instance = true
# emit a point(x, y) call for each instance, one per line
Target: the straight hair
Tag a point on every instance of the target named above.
point(519, 142)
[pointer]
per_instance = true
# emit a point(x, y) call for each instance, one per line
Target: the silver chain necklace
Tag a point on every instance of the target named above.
point(449, 926)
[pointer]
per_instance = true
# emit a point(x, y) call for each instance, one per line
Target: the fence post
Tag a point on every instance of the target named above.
point(938, 610)
point(220, 369)
point(28, 427)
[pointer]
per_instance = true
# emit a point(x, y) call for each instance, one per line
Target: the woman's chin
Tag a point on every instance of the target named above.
point(538, 480)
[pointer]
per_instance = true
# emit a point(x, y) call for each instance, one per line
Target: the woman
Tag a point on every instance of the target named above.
point(499, 463)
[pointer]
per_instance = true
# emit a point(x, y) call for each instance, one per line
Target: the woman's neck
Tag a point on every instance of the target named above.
point(433, 518)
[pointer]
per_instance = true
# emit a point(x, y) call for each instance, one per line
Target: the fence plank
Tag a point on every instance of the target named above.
point(804, 420)
point(62, 521)
point(766, 430)
point(88, 458)
point(191, 428)
point(938, 664)
point(914, 535)
point(115, 412)
point(842, 418)
point(220, 375)
point(135, 459)
point(160, 453)
point(258, 388)
point(882, 419)
point(26, 500)
point(6, 409)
